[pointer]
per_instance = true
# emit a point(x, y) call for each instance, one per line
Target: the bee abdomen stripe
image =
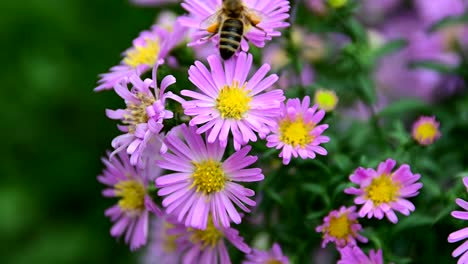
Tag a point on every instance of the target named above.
point(231, 33)
point(228, 47)
point(229, 41)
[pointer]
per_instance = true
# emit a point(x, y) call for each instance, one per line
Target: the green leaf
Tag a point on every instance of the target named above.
point(433, 65)
point(315, 215)
point(319, 191)
point(448, 21)
point(431, 187)
point(275, 196)
point(389, 48)
point(404, 106)
point(366, 88)
point(412, 221)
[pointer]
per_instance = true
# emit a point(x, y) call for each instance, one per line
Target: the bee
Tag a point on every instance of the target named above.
point(230, 22)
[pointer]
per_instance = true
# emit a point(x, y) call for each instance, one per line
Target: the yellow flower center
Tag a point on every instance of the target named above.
point(326, 100)
point(143, 55)
point(169, 241)
point(133, 195)
point(208, 177)
point(426, 131)
point(208, 237)
point(233, 101)
point(340, 227)
point(137, 112)
point(295, 133)
point(383, 190)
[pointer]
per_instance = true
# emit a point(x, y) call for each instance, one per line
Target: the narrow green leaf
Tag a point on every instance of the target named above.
point(389, 48)
point(433, 65)
point(412, 221)
point(404, 106)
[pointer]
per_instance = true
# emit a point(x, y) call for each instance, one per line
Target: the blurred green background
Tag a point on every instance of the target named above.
point(54, 128)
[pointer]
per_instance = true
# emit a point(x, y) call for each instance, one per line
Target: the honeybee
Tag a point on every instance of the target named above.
point(231, 22)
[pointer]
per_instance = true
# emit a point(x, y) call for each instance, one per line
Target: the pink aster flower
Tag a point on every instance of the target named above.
point(130, 215)
point(297, 131)
point(143, 117)
point(162, 247)
point(202, 183)
point(206, 246)
point(462, 233)
point(383, 191)
point(426, 130)
point(231, 104)
point(354, 255)
point(275, 255)
point(148, 48)
point(341, 227)
point(270, 15)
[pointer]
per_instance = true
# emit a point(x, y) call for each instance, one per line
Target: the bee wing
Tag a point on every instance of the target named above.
point(254, 16)
point(211, 23)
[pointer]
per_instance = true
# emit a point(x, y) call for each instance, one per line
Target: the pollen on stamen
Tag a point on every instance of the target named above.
point(233, 101)
point(133, 195)
point(208, 237)
point(341, 227)
point(136, 113)
point(296, 132)
point(383, 190)
point(208, 177)
point(426, 130)
point(143, 55)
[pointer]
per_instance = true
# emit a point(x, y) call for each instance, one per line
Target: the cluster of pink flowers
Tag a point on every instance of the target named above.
point(202, 190)
point(198, 169)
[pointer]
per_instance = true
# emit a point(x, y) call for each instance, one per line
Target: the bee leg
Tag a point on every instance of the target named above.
point(254, 24)
point(208, 37)
point(261, 29)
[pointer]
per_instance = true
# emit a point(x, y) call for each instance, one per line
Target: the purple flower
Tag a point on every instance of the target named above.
point(273, 256)
point(143, 117)
point(393, 75)
point(297, 131)
point(433, 11)
point(383, 191)
point(231, 104)
point(271, 17)
point(162, 247)
point(206, 246)
point(354, 255)
point(130, 215)
point(148, 48)
point(462, 233)
point(203, 184)
point(341, 227)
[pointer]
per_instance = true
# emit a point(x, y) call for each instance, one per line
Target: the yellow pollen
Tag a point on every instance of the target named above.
point(133, 195)
point(233, 101)
point(383, 190)
point(296, 133)
point(169, 241)
point(340, 227)
point(208, 237)
point(426, 131)
point(326, 100)
point(208, 177)
point(137, 112)
point(143, 55)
